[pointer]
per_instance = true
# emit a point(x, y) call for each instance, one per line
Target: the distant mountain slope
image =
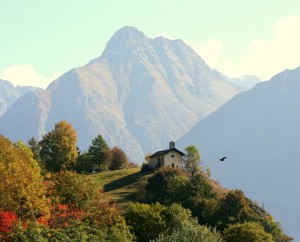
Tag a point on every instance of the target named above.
point(259, 132)
point(139, 94)
point(245, 82)
point(9, 94)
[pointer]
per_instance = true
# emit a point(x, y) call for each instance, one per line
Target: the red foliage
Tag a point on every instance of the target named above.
point(43, 220)
point(61, 215)
point(7, 221)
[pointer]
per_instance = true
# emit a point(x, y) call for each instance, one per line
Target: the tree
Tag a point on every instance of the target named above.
point(73, 189)
point(35, 148)
point(119, 159)
point(192, 159)
point(246, 232)
point(99, 154)
point(21, 188)
point(83, 163)
point(160, 187)
point(191, 233)
point(149, 222)
point(58, 147)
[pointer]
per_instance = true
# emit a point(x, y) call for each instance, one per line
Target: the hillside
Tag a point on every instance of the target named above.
point(259, 132)
point(208, 201)
point(121, 184)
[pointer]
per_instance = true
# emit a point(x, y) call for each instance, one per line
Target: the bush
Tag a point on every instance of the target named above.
point(246, 232)
point(77, 231)
point(191, 233)
point(145, 167)
point(149, 221)
point(73, 189)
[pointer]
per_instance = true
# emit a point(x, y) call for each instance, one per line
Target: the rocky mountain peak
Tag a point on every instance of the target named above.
point(124, 42)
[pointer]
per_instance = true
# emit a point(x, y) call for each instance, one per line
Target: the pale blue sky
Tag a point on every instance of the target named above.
point(50, 37)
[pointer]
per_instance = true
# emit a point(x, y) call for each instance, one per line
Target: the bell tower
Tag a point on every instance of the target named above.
point(172, 145)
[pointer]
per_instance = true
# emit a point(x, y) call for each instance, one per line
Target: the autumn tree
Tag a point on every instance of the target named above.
point(99, 154)
point(119, 159)
point(73, 189)
point(21, 188)
point(58, 147)
point(192, 159)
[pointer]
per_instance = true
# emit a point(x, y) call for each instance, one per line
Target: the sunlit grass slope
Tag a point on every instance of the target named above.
point(121, 184)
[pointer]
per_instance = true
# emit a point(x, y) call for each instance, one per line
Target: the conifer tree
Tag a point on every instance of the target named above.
point(99, 154)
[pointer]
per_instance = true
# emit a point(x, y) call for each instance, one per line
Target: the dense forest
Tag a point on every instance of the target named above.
point(47, 193)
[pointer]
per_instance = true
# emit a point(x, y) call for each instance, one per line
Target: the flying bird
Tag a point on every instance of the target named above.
point(223, 158)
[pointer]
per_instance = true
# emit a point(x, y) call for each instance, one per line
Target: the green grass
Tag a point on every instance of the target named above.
point(123, 185)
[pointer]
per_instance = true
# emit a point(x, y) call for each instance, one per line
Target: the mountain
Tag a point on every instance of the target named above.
point(9, 94)
point(258, 130)
point(139, 94)
point(245, 82)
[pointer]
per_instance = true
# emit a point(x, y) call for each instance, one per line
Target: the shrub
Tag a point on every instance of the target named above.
point(246, 232)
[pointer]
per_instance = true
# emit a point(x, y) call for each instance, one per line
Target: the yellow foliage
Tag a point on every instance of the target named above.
point(21, 184)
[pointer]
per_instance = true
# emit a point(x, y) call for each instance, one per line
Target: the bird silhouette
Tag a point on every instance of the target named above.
point(223, 158)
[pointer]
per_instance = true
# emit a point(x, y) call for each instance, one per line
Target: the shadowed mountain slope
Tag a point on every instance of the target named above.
point(259, 132)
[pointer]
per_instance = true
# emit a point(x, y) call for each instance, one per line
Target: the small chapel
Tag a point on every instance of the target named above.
point(170, 157)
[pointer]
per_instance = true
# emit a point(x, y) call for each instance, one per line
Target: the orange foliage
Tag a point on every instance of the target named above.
point(7, 221)
point(60, 217)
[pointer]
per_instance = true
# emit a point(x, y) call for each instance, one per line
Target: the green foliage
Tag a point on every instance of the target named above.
point(99, 154)
point(192, 159)
point(119, 159)
point(234, 208)
point(73, 189)
point(145, 167)
point(77, 231)
point(171, 185)
point(35, 148)
point(200, 186)
point(158, 188)
point(191, 233)
point(246, 232)
point(195, 193)
point(58, 147)
point(84, 164)
point(198, 194)
point(145, 220)
point(21, 188)
point(151, 222)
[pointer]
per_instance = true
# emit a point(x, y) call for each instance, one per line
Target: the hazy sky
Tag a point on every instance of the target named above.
point(41, 39)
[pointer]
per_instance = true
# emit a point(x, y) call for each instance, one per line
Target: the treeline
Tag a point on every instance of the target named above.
point(57, 151)
point(43, 198)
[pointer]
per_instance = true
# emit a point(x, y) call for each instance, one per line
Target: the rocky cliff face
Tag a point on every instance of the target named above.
point(139, 94)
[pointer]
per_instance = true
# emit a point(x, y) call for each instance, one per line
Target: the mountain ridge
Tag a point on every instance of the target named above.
point(10, 93)
point(139, 94)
